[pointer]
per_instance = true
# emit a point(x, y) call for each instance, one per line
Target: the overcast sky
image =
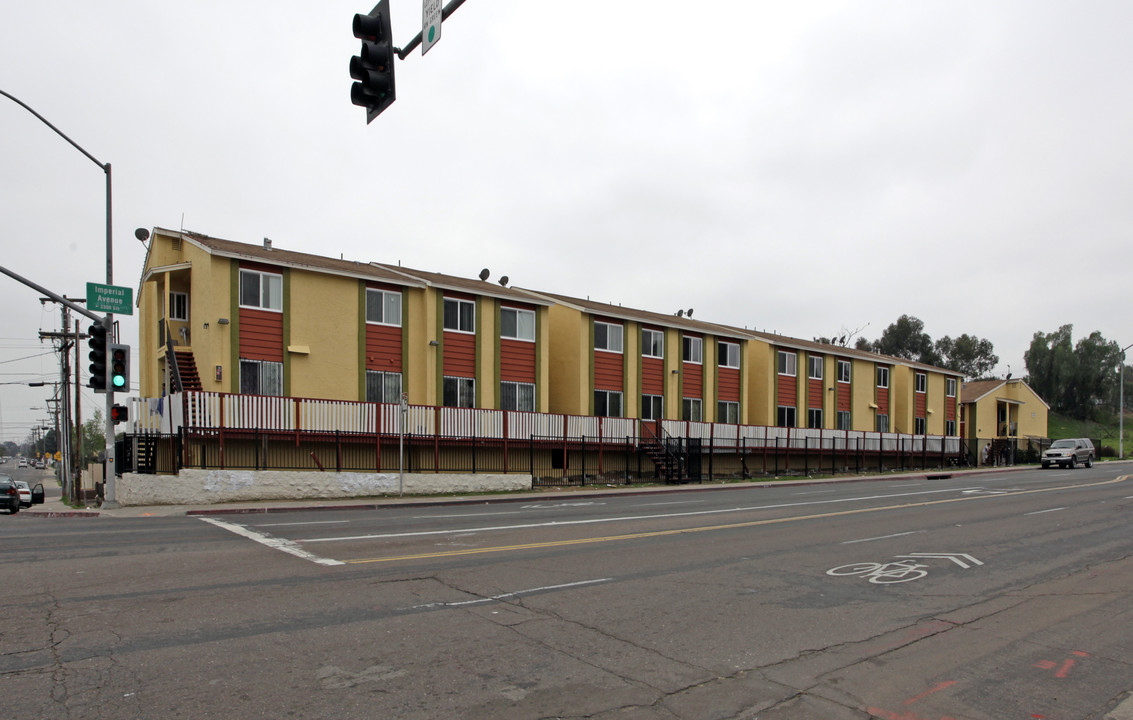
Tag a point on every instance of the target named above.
point(806, 168)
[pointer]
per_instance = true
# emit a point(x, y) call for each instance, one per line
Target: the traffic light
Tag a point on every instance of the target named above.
point(119, 414)
point(119, 374)
point(373, 66)
point(97, 344)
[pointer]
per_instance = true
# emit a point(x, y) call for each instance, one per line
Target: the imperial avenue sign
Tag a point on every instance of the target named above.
point(110, 299)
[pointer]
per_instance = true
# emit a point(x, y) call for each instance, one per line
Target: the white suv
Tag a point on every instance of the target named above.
point(1069, 453)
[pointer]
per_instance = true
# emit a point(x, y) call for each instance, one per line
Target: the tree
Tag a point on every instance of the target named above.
point(93, 436)
point(1073, 379)
point(968, 355)
point(907, 339)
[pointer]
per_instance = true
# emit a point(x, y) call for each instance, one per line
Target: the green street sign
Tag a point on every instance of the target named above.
point(110, 299)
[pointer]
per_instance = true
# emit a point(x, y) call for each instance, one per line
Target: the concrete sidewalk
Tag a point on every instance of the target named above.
point(54, 507)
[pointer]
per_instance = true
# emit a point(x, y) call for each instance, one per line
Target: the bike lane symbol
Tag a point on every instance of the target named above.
point(904, 570)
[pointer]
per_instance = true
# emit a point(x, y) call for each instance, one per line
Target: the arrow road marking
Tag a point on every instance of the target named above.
point(954, 557)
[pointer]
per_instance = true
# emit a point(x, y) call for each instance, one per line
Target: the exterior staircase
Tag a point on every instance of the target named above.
point(186, 370)
point(667, 454)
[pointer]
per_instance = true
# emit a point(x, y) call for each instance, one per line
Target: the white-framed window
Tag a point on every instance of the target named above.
point(692, 349)
point(652, 343)
point(383, 387)
point(459, 392)
point(950, 428)
point(608, 403)
point(919, 426)
point(882, 377)
point(179, 306)
point(261, 290)
point(728, 354)
point(728, 411)
point(788, 363)
point(383, 307)
point(785, 416)
point(261, 377)
point(922, 382)
point(814, 418)
point(608, 337)
point(951, 385)
point(844, 371)
point(460, 316)
point(882, 423)
point(843, 419)
point(814, 366)
point(516, 324)
point(692, 409)
point(652, 407)
point(517, 396)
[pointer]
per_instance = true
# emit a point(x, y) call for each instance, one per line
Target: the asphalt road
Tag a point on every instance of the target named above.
point(992, 596)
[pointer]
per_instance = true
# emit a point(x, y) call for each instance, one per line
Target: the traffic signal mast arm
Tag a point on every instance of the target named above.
point(448, 10)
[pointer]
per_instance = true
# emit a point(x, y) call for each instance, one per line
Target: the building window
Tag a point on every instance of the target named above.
point(383, 307)
point(814, 418)
point(728, 354)
point(607, 403)
point(460, 316)
point(950, 428)
point(261, 377)
point(882, 423)
point(814, 365)
point(785, 417)
point(517, 324)
point(883, 377)
point(692, 409)
point(608, 337)
point(261, 290)
point(919, 426)
point(922, 382)
point(843, 371)
point(459, 392)
point(652, 407)
point(843, 419)
point(692, 349)
point(383, 387)
point(728, 412)
point(517, 396)
point(951, 392)
point(652, 343)
point(787, 363)
point(179, 306)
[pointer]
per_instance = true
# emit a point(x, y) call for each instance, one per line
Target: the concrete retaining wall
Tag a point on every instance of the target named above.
point(205, 487)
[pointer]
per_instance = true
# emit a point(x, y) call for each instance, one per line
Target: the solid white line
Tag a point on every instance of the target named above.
point(565, 523)
point(280, 544)
point(517, 593)
point(674, 502)
point(429, 517)
point(1040, 512)
point(916, 484)
point(880, 537)
point(312, 522)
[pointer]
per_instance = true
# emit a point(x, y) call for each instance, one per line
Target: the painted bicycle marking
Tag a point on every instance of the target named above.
point(902, 570)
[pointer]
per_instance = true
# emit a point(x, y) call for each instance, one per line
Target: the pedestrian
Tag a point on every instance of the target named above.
point(987, 452)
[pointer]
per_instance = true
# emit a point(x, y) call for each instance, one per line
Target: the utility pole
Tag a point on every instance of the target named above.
point(76, 458)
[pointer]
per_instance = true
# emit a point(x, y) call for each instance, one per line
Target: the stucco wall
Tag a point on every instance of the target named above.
point(205, 487)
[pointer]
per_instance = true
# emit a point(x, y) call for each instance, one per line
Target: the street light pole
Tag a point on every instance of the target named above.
point(110, 499)
point(1121, 404)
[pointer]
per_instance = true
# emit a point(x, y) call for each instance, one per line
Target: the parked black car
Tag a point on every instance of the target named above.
point(9, 494)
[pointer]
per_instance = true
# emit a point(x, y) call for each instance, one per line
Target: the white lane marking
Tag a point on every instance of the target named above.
point(517, 593)
point(880, 537)
point(429, 517)
point(1040, 512)
point(280, 544)
point(816, 492)
point(544, 506)
point(592, 521)
point(311, 522)
point(958, 558)
point(916, 484)
point(673, 502)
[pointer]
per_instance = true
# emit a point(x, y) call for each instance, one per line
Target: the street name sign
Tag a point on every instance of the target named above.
point(110, 299)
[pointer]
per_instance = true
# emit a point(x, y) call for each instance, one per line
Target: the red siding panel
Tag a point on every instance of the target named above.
point(692, 382)
point(460, 355)
point(261, 335)
point(728, 384)
point(652, 376)
point(517, 361)
point(842, 390)
point(950, 408)
point(920, 402)
point(609, 371)
point(814, 393)
point(383, 348)
point(883, 401)
point(788, 391)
